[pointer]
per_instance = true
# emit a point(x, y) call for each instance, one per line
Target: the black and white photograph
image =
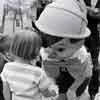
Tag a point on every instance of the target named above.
point(49, 49)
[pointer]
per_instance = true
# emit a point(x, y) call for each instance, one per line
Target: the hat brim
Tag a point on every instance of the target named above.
point(58, 22)
point(70, 35)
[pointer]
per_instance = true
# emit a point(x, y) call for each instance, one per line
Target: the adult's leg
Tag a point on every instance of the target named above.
point(94, 82)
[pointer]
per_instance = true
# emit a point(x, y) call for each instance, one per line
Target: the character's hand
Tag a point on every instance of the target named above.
point(48, 93)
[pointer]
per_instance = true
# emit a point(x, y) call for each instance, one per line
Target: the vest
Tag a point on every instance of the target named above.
point(68, 74)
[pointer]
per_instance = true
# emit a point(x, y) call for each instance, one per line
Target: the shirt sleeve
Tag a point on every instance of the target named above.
point(47, 83)
point(4, 74)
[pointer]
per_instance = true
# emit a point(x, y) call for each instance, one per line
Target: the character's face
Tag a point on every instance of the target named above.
point(61, 47)
point(67, 47)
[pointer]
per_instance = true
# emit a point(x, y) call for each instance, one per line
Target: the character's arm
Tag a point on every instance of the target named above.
point(6, 91)
point(48, 87)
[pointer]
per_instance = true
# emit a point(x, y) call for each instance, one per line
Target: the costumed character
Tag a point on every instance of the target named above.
point(63, 28)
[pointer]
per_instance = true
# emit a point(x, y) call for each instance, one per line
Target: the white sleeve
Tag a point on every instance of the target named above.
point(47, 83)
point(4, 74)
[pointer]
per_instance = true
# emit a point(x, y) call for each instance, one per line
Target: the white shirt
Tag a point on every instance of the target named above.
point(25, 81)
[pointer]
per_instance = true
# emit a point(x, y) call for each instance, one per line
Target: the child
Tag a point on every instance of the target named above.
point(62, 26)
point(22, 79)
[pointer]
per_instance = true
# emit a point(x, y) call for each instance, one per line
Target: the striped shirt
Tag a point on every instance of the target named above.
point(25, 80)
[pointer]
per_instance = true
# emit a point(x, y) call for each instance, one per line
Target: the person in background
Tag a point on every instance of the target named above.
point(4, 48)
point(93, 43)
point(22, 79)
point(1, 90)
point(63, 28)
point(41, 6)
point(17, 14)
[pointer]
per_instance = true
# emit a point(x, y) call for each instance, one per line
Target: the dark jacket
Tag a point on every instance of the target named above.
point(93, 41)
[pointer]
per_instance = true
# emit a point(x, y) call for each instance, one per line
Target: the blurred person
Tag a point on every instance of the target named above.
point(93, 43)
point(4, 48)
point(41, 6)
point(1, 90)
point(17, 14)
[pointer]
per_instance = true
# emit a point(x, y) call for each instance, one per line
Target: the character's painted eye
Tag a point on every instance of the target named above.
point(48, 40)
point(61, 49)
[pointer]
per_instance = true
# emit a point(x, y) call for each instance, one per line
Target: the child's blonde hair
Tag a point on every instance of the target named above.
point(25, 44)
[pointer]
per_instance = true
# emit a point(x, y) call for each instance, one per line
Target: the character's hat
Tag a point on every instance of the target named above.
point(63, 18)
